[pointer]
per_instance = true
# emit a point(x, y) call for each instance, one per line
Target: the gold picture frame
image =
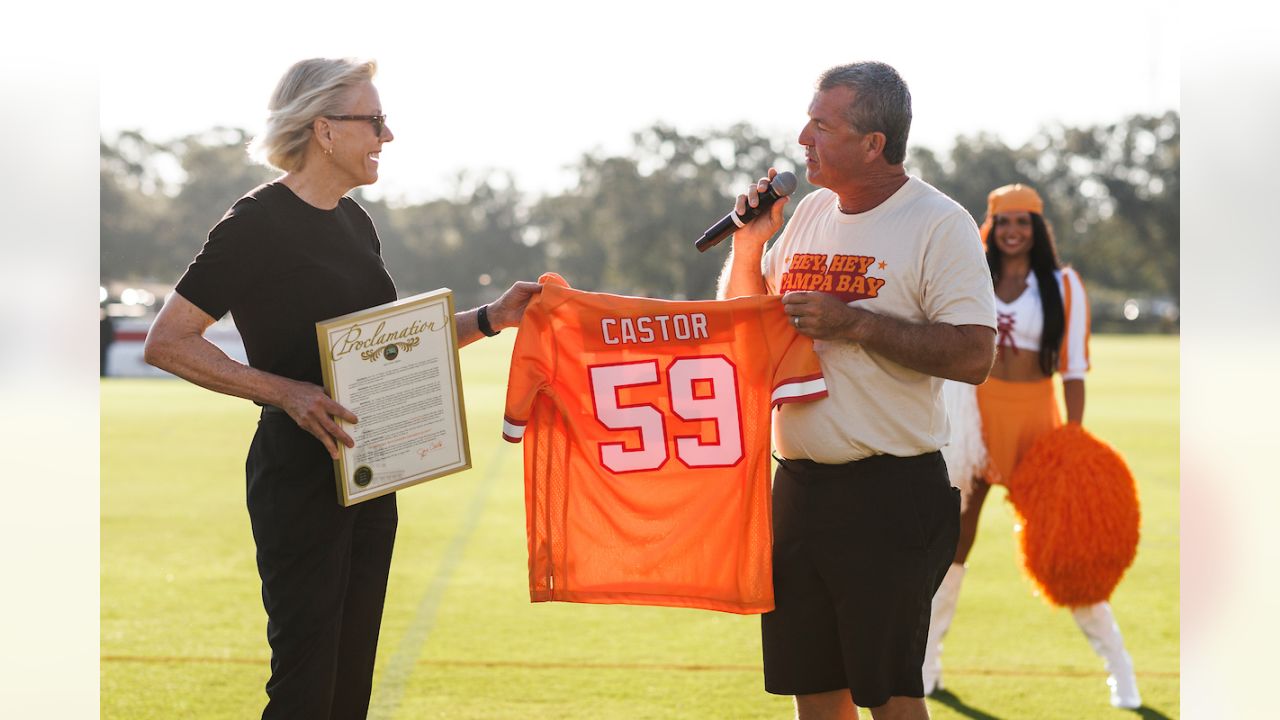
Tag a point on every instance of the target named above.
point(396, 367)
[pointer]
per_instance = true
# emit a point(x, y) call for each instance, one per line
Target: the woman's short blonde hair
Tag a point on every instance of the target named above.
point(310, 89)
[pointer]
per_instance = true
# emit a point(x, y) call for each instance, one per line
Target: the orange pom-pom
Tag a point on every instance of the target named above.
point(1078, 509)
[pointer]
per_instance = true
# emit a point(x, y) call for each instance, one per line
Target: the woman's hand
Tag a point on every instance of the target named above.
point(507, 310)
point(314, 411)
point(176, 343)
point(504, 312)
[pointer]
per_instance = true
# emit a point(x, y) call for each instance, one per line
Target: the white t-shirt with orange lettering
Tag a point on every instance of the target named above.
point(915, 257)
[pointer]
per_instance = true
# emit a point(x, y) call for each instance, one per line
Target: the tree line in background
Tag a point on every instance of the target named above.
point(1111, 193)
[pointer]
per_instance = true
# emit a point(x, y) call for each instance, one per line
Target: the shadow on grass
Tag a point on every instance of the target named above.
point(953, 701)
point(1147, 713)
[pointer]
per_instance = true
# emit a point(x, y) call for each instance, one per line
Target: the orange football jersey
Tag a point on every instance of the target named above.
point(646, 444)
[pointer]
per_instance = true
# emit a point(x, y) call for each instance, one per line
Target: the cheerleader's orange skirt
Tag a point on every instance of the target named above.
point(1014, 415)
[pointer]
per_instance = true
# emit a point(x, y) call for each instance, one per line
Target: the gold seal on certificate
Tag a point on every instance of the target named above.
point(396, 367)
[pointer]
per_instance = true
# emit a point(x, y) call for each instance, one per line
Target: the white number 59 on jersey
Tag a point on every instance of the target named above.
point(717, 402)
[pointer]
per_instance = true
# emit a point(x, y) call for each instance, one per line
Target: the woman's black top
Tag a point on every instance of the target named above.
point(279, 265)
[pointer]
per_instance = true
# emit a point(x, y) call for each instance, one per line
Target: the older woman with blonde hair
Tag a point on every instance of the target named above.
point(289, 253)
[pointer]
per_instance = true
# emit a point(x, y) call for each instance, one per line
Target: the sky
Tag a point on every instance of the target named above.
point(530, 87)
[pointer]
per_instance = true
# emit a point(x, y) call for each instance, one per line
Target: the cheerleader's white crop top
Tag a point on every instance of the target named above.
point(1021, 322)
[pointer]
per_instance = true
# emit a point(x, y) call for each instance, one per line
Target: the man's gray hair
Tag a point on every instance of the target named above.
point(310, 89)
point(882, 103)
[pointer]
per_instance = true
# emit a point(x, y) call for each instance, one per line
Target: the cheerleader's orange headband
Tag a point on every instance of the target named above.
point(1010, 198)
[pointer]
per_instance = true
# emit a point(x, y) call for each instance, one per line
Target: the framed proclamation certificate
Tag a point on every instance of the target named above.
point(396, 367)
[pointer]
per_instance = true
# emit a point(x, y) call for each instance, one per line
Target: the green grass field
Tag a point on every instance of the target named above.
point(183, 630)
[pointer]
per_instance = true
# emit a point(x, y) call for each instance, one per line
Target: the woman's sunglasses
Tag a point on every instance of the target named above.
point(378, 121)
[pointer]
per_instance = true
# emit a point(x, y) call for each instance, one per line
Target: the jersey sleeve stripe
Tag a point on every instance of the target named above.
point(513, 431)
point(800, 391)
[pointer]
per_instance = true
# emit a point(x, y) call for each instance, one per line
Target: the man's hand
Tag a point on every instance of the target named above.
point(741, 274)
point(757, 232)
point(955, 352)
point(823, 316)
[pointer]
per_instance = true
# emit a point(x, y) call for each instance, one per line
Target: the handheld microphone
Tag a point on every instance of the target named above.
point(783, 184)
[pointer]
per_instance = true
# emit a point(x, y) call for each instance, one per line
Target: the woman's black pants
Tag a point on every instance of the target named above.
point(324, 574)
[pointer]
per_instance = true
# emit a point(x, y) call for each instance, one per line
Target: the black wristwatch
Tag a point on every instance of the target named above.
point(482, 321)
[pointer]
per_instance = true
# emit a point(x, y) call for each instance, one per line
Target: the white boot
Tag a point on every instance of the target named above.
point(1099, 625)
point(944, 608)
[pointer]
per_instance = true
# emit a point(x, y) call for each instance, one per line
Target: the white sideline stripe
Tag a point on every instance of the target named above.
point(515, 432)
point(800, 389)
point(389, 692)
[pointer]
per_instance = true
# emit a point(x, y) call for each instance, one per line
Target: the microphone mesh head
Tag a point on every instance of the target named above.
point(784, 183)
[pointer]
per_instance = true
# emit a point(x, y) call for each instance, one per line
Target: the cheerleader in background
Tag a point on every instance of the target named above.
point(1043, 319)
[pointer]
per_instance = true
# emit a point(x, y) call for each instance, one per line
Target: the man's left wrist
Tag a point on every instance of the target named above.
point(855, 325)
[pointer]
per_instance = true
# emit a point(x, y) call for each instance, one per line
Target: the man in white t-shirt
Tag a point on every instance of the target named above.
point(886, 274)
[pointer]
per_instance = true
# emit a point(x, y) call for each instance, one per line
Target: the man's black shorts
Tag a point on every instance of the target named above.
point(858, 551)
